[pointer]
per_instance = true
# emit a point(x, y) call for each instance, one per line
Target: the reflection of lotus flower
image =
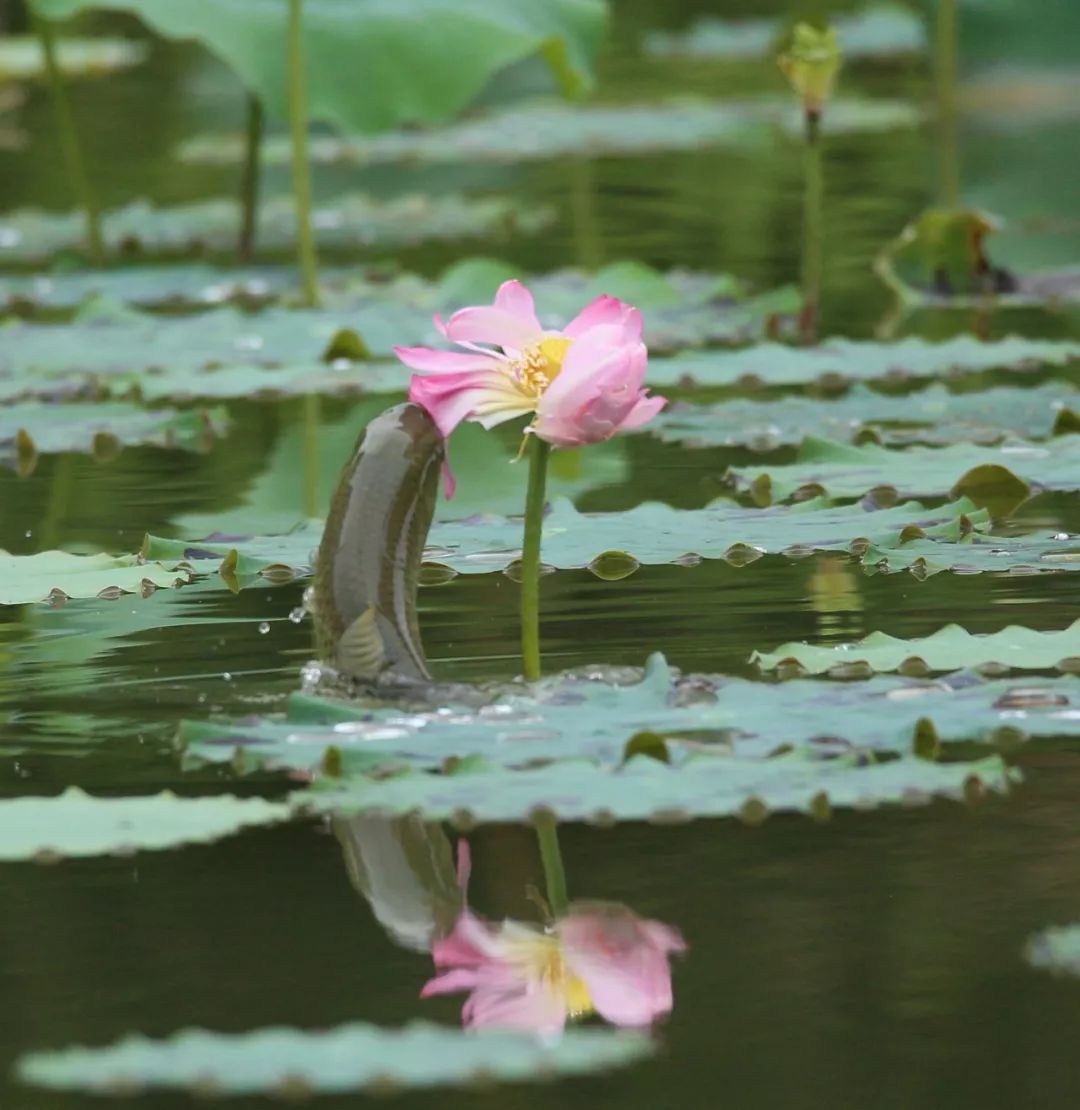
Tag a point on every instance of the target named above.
point(583, 383)
point(599, 958)
point(811, 65)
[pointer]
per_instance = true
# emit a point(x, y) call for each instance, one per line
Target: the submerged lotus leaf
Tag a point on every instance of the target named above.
point(998, 477)
point(293, 1063)
point(372, 65)
point(933, 416)
point(76, 824)
point(1056, 949)
point(50, 574)
point(21, 56)
point(1035, 553)
point(878, 31)
point(841, 361)
point(649, 534)
point(700, 720)
point(33, 428)
point(559, 130)
point(649, 790)
point(951, 648)
point(347, 222)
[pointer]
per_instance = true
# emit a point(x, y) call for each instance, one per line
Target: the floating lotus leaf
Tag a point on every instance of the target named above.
point(103, 428)
point(372, 65)
point(227, 353)
point(76, 824)
point(652, 533)
point(349, 222)
point(841, 361)
point(878, 31)
point(699, 721)
point(997, 477)
point(560, 293)
point(951, 648)
point(559, 130)
point(21, 56)
point(933, 416)
point(294, 1063)
point(1035, 553)
point(28, 578)
point(648, 790)
point(1056, 949)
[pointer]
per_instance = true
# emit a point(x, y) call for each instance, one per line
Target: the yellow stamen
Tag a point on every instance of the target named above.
point(543, 957)
point(540, 364)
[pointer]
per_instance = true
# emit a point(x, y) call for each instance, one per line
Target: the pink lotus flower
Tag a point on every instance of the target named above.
point(600, 958)
point(583, 384)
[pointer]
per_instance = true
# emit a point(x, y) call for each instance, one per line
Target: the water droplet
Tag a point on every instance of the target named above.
point(227, 676)
point(202, 699)
point(297, 615)
point(264, 627)
point(1059, 536)
point(29, 533)
point(309, 598)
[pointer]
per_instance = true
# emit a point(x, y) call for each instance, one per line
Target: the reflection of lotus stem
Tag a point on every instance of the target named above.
point(812, 215)
point(945, 77)
point(249, 181)
point(539, 451)
point(69, 139)
point(305, 240)
point(586, 240)
point(311, 455)
point(547, 834)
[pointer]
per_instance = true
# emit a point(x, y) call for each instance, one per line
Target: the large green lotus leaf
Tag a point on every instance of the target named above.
point(33, 428)
point(294, 1063)
point(878, 31)
point(933, 416)
point(610, 544)
point(997, 477)
point(1034, 553)
point(699, 720)
point(1056, 949)
point(941, 260)
point(951, 648)
point(29, 578)
point(648, 790)
point(839, 361)
point(21, 56)
point(558, 130)
point(373, 64)
point(488, 478)
point(354, 221)
point(76, 824)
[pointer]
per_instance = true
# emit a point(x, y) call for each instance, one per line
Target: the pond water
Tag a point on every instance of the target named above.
point(873, 958)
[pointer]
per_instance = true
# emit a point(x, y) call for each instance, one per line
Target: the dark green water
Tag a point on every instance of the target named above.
point(873, 960)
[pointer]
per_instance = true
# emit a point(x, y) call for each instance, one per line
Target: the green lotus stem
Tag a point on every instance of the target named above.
point(69, 139)
point(945, 70)
point(547, 836)
point(249, 180)
point(312, 413)
point(305, 239)
point(813, 197)
point(539, 450)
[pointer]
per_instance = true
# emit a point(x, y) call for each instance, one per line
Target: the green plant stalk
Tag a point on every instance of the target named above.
point(539, 451)
point(547, 836)
point(813, 203)
point(312, 412)
point(305, 239)
point(945, 72)
point(249, 180)
point(69, 139)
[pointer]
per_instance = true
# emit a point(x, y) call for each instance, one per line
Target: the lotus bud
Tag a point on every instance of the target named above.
point(811, 64)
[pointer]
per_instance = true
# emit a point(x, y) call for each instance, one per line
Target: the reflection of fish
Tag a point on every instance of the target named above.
point(369, 560)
